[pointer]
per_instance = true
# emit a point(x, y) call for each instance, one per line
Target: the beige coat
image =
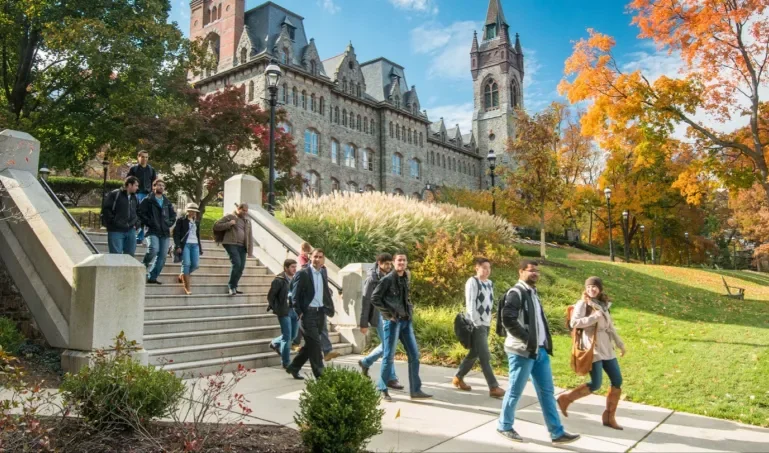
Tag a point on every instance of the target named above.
point(223, 224)
point(599, 319)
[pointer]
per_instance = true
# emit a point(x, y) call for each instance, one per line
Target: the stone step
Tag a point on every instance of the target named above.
point(175, 340)
point(213, 251)
point(162, 326)
point(203, 311)
point(214, 289)
point(199, 278)
point(225, 269)
point(256, 297)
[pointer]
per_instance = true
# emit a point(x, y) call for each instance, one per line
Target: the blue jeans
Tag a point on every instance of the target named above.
point(378, 352)
point(157, 251)
point(190, 258)
point(289, 328)
point(237, 254)
point(139, 198)
point(612, 370)
point(403, 330)
point(122, 243)
point(521, 368)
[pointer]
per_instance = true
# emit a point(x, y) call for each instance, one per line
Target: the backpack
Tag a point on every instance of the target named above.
point(463, 329)
point(114, 194)
point(501, 331)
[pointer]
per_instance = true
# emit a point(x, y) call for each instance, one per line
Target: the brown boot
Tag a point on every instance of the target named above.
point(564, 399)
point(186, 281)
point(496, 392)
point(612, 400)
point(180, 278)
point(460, 384)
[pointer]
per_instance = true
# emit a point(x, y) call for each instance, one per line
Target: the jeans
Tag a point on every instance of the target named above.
point(139, 198)
point(612, 370)
point(158, 250)
point(377, 353)
point(312, 320)
point(393, 330)
point(542, 377)
point(479, 351)
point(122, 242)
point(237, 254)
point(289, 327)
point(190, 258)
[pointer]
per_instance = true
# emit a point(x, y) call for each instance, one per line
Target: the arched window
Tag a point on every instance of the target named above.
point(358, 89)
point(350, 154)
point(403, 133)
point(365, 124)
point(334, 151)
point(358, 125)
point(398, 192)
point(415, 169)
point(409, 136)
point(284, 94)
point(391, 129)
point(368, 160)
point(312, 183)
point(443, 158)
point(370, 188)
point(352, 186)
point(344, 117)
point(514, 94)
point(311, 142)
point(284, 56)
point(421, 142)
point(313, 67)
point(286, 127)
point(312, 102)
point(397, 164)
point(397, 132)
point(334, 185)
point(304, 99)
point(491, 95)
point(220, 12)
point(214, 14)
point(295, 96)
point(397, 101)
point(243, 55)
point(344, 85)
point(250, 91)
point(322, 106)
point(416, 196)
point(371, 126)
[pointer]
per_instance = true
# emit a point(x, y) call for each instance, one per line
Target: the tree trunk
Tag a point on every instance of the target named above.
point(542, 250)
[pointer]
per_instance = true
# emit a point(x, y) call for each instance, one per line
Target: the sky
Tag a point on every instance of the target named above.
point(432, 39)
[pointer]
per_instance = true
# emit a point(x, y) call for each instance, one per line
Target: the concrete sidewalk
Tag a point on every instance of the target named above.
point(466, 421)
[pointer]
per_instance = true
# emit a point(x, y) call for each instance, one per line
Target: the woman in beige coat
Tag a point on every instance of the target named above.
point(591, 314)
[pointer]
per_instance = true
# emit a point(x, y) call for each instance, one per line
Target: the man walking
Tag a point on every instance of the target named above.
point(146, 176)
point(479, 299)
point(157, 213)
point(391, 297)
point(118, 213)
point(233, 231)
point(528, 345)
point(370, 316)
point(312, 302)
point(279, 301)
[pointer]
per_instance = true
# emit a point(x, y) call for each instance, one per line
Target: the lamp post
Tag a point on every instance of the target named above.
point(688, 251)
point(626, 236)
point(492, 166)
point(643, 242)
point(105, 165)
point(44, 172)
point(607, 193)
point(273, 74)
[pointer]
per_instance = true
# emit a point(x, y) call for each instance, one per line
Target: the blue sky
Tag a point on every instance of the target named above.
point(432, 38)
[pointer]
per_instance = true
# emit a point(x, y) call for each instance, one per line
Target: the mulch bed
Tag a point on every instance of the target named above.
point(41, 363)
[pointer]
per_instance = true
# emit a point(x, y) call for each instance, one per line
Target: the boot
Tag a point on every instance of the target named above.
point(180, 278)
point(496, 392)
point(612, 400)
point(564, 399)
point(460, 384)
point(186, 281)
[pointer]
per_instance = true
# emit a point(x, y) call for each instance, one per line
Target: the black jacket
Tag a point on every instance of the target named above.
point(520, 321)
point(387, 297)
point(158, 221)
point(123, 218)
point(181, 229)
point(146, 176)
point(304, 292)
point(277, 297)
point(369, 315)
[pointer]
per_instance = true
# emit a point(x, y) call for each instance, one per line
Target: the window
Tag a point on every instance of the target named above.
point(397, 101)
point(312, 102)
point(313, 67)
point(334, 151)
point(371, 126)
point(334, 185)
point(397, 164)
point(311, 140)
point(336, 115)
point(491, 31)
point(415, 168)
point(243, 55)
point(398, 192)
point(352, 186)
point(344, 85)
point(295, 96)
point(368, 160)
point(443, 158)
point(284, 56)
point(514, 98)
point(322, 106)
point(312, 183)
point(397, 132)
point(391, 129)
point(285, 127)
point(421, 143)
point(358, 90)
point(349, 155)
point(475, 170)
point(358, 124)
point(409, 136)
point(344, 117)
point(284, 94)
point(351, 65)
point(491, 95)
point(251, 91)
point(369, 188)
point(416, 196)
point(304, 99)
point(292, 33)
point(365, 124)
point(214, 14)
point(403, 133)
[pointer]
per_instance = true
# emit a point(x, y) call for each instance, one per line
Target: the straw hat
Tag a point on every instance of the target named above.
point(192, 207)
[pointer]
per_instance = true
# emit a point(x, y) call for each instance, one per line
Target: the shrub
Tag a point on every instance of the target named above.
point(10, 337)
point(339, 412)
point(76, 188)
point(116, 390)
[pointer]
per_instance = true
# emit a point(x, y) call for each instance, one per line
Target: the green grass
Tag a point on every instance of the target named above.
point(689, 348)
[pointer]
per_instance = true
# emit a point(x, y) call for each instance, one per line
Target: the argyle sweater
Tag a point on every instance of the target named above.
point(479, 301)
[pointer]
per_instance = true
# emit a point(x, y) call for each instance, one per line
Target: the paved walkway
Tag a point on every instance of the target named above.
point(466, 421)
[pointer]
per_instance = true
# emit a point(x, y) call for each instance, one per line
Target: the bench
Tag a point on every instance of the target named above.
point(739, 294)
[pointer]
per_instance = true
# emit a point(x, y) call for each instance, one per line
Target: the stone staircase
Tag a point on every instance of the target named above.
point(210, 330)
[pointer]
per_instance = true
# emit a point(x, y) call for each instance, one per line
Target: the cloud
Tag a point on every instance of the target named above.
point(454, 114)
point(329, 6)
point(447, 46)
point(421, 6)
point(531, 67)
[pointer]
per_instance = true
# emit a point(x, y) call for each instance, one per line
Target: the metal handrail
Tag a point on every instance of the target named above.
point(69, 217)
point(286, 245)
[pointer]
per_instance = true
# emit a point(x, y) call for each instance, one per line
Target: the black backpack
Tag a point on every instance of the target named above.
point(501, 331)
point(463, 329)
point(115, 193)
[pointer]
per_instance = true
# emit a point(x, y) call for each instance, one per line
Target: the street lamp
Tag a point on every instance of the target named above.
point(492, 165)
point(105, 165)
point(607, 193)
point(643, 242)
point(688, 252)
point(44, 172)
point(273, 74)
point(626, 236)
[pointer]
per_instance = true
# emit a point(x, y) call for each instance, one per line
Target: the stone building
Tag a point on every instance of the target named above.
point(360, 125)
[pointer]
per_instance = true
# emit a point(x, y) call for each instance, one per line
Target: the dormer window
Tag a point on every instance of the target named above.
point(397, 101)
point(292, 33)
point(351, 65)
point(491, 31)
point(284, 56)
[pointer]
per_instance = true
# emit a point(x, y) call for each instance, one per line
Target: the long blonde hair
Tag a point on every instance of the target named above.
point(602, 297)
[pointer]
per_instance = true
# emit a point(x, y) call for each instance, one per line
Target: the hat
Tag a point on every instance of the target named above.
point(192, 207)
point(594, 281)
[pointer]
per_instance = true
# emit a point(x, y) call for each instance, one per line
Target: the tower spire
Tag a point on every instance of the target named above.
point(474, 48)
point(495, 15)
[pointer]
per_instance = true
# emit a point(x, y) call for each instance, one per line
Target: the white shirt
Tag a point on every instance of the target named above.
point(541, 337)
point(479, 300)
point(317, 280)
point(192, 235)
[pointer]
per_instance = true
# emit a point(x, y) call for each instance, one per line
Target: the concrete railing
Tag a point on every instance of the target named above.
point(80, 301)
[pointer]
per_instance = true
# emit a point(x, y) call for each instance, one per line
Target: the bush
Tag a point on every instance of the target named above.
point(10, 337)
point(116, 390)
point(339, 412)
point(76, 188)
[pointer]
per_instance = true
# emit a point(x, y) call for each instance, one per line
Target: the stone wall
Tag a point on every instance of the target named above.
point(12, 306)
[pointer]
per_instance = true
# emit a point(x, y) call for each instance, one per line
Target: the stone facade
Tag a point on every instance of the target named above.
point(360, 126)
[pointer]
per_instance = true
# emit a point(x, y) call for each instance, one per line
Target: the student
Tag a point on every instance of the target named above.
point(187, 244)
point(146, 175)
point(479, 301)
point(236, 238)
point(304, 255)
point(279, 301)
point(157, 214)
point(119, 216)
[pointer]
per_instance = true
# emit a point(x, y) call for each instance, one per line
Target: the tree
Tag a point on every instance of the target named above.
point(725, 49)
point(72, 72)
point(213, 138)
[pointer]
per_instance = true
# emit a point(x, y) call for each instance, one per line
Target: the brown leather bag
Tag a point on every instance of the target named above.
point(581, 356)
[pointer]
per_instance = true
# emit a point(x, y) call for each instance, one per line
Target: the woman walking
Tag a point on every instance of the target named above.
point(187, 244)
point(591, 314)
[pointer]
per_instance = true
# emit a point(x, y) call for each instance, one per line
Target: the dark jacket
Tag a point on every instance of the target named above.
point(146, 176)
point(388, 297)
point(181, 229)
point(277, 297)
point(123, 218)
point(369, 315)
point(304, 292)
point(158, 221)
point(520, 322)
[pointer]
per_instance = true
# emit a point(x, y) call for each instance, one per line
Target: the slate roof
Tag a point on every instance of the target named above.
point(378, 74)
point(331, 65)
point(265, 23)
point(495, 14)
